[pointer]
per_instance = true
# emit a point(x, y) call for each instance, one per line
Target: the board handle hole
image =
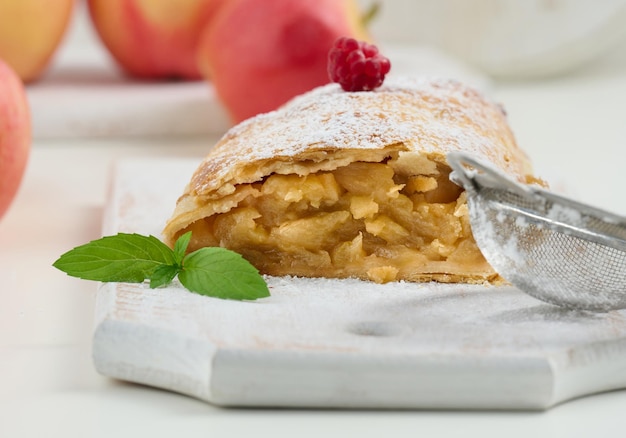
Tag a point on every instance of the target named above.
point(372, 328)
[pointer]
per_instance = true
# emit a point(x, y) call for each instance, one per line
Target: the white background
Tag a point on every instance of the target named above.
point(572, 125)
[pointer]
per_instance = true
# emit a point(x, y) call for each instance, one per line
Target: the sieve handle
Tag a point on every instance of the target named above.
point(474, 174)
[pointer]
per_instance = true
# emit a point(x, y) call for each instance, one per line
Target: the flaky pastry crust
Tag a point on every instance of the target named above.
point(398, 135)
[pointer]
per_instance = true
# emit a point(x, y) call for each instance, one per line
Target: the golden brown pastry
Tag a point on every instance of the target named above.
point(351, 184)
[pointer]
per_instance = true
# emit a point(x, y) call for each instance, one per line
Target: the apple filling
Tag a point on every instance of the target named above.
point(375, 221)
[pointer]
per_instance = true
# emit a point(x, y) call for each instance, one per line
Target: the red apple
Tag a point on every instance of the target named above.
point(30, 32)
point(15, 134)
point(153, 39)
point(260, 53)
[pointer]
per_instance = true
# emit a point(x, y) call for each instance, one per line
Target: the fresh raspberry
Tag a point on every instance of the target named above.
point(356, 65)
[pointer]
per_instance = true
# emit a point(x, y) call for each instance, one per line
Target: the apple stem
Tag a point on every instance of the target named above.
point(370, 13)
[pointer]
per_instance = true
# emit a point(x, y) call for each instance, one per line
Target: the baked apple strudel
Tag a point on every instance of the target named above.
point(351, 184)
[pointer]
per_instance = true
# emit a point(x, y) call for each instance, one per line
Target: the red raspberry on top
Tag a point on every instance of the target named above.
point(356, 65)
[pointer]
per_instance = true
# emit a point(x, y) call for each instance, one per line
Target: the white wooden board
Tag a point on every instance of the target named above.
point(85, 95)
point(343, 343)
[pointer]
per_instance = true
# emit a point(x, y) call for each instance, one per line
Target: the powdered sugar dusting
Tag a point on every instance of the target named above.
point(429, 116)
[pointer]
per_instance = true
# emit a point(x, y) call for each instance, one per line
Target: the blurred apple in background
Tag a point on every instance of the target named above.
point(260, 53)
point(30, 32)
point(153, 39)
point(15, 134)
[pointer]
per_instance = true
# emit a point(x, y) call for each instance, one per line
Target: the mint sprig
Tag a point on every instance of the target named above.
point(134, 258)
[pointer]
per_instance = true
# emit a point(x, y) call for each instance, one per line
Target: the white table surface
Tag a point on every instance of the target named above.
point(574, 128)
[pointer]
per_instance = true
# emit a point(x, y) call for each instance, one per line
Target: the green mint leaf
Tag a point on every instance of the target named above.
point(221, 273)
point(130, 258)
point(163, 275)
point(133, 258)
point(180, 247)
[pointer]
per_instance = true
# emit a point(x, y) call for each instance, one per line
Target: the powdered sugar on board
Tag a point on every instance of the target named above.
point(342, 343)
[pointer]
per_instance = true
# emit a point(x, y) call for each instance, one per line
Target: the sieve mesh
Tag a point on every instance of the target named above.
point(548, 264)
point(555, 249)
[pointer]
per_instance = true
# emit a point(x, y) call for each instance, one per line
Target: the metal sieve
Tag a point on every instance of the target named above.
point(553, 248)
